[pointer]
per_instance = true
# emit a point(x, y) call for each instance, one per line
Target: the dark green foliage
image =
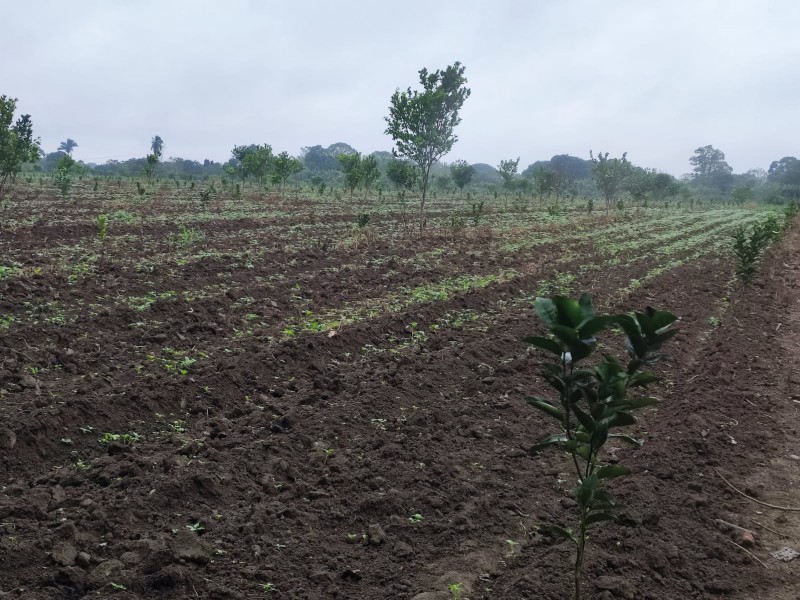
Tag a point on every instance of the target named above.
point(461, 172)
point(284, 166)
point(508, 171)
point(476, 213)
point(749, 245)
point(67, 146)
point(362, 220)
point(64, 175)
point(711, 170)
point(17, 144)
point(402, 173)
point(370, 173)
point(594, 402)
point(785, 174)
point(790, 212)
point(350, 165)
point(157, 145)
point(422, 123)
point(610, 175)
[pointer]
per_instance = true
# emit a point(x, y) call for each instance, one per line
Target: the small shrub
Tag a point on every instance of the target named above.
point(476, 213)
point(593, 402)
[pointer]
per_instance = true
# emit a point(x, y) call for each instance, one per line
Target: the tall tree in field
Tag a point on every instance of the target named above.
point(350, 164)
point(17, 144)
point(402, 173)
point(370, 173)
point(284, 166)
point(508, 170)
point(257, 162)
point(422, 123)
point(609, 175)
point(786, 174)
point(157, 145)
point(711, 170)
point(235, 166)
point(67, 146)
point(544, 181)
point(461, 172)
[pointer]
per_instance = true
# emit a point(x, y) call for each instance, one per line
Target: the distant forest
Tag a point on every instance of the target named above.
point(562, 176)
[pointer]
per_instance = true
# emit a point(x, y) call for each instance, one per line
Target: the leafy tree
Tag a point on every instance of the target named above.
point(742, 193)
point(461, 172)
point(150, 167)
point(572, 167)
point(508, 170)
point(340, 148)
point(317, 158)
point(710, 169)
point(370, 173)
point(350, 165)
point(422, 123)
point(17, 144)
point(284, 166)
point(593, 402)
point(442, 182)
point(157, 145)
point(402, 173)
point(235, 166)
point(785, 173)
point(609, 175)
point(642, 184)
point(68, 146)
point(544, 181)
point(257, 162)
point(63, 176)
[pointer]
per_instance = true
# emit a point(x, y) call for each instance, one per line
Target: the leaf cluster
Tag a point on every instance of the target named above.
point(749, 245)
point(17, 144)
point(593, 403)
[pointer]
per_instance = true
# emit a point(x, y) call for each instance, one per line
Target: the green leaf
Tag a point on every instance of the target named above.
point(653, 322)
point(553, 368)
point(622, 419)
point(566, 334)
point(546, 407)
point(558, 532)
point(582, 436)
point(584, 451)
point(580, 350)
point(546, 311)
point(569, 311)
point(626, 438)
point(545, 344)
point(588, 328)
point(604, 497)
point(584, 419)
point(553, 440)
point(611, 471)
point(644, 378)
point(586, 490)
point(643, 402)
point(599, 517)
point(600, 434)
point(587, 308)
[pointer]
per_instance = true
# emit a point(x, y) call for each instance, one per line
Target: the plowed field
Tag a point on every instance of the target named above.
point(252, 397)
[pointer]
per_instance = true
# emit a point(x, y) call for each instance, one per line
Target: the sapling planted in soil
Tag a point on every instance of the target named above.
point(594, 401)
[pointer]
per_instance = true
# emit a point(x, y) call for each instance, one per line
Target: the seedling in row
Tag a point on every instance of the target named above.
point(594, 401)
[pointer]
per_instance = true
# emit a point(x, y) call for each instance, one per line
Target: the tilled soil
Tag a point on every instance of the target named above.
point(365, 462)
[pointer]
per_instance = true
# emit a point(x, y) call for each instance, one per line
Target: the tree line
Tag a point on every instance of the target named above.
point(421, 123)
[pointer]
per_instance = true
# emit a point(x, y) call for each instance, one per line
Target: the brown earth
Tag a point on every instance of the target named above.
point(317, 469)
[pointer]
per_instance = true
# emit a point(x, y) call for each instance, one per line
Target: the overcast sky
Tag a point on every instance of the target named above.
point(655, 79)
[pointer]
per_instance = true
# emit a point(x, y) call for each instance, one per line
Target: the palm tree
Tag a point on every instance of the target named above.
point(157, 145)
point(68, 146)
